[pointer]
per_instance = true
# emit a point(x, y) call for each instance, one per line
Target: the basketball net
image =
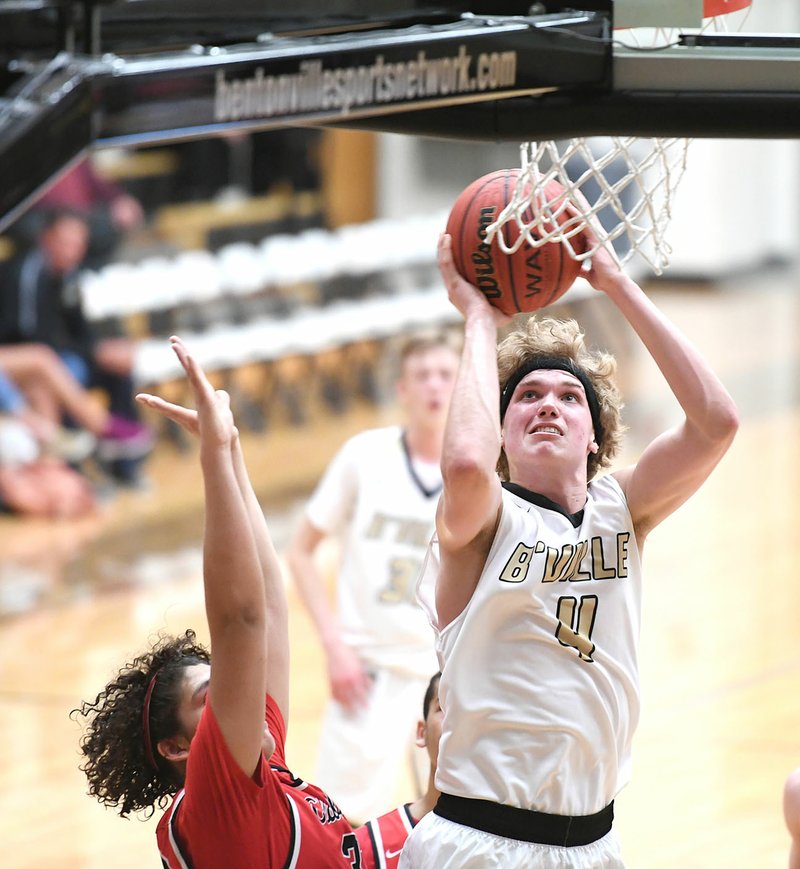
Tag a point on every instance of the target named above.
point(622, 186)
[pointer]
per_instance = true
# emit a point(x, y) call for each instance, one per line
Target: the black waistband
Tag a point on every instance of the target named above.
point(527, 826)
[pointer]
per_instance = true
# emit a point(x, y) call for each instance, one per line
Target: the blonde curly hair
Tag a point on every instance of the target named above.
point(564, 339)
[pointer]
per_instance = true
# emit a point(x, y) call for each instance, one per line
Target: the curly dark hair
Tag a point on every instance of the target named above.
point(116, 764)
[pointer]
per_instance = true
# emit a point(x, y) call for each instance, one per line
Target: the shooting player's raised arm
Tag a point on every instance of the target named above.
point(470, 500)
point(678, 461)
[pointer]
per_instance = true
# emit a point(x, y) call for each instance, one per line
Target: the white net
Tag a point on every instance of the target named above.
point(623, 186)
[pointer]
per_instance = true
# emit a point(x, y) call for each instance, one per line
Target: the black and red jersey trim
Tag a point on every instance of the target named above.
point(177, 848)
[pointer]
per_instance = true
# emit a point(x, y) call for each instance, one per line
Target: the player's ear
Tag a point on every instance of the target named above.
point(175, 749)
point(593, 445)
point(422, 734)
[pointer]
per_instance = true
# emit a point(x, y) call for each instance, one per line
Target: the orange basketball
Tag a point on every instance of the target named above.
point(527, 280)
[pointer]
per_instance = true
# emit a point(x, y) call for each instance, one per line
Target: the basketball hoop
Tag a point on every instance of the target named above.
point(717, 15)
point(624, 186)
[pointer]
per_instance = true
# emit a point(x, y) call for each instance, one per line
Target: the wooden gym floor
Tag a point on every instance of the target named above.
point(720, 672)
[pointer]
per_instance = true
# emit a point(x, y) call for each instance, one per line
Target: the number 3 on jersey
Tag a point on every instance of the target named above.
point(351, 850)
point(575, 628)
point(402, 585)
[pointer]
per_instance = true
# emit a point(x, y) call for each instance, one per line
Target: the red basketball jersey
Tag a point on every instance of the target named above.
point(271, 820)
point(382, 840)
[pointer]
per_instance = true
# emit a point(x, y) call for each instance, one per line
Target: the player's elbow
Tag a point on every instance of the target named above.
point(465, 467)
point(723, 423)
point(470, 492)
point(246, 616)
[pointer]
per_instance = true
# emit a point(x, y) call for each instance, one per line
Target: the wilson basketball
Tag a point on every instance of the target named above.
point(527, 280)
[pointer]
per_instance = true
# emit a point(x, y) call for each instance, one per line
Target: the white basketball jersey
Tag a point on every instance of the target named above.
point(540, 685)
point(384, 516)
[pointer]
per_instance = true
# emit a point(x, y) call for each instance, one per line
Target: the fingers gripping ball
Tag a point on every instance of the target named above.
point(527, 280)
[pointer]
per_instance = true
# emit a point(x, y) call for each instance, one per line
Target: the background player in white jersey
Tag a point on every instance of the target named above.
point(379, 497)
point(537, 580)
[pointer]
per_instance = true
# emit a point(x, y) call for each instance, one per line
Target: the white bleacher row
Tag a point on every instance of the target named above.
point(280, 260)
point(308, 331)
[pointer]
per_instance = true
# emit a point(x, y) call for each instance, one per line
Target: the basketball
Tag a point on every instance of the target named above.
point(527, 280)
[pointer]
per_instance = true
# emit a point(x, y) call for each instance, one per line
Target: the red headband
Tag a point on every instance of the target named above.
point(148, 744)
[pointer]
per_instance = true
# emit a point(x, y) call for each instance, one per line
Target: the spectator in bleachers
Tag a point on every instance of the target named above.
point(110, 211)
point(71, 445)
point(37, 485)
point(38, 389)
point(40, 303)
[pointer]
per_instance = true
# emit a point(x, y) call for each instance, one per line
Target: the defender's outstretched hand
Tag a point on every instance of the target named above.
point(466, 297)
point(213, 406)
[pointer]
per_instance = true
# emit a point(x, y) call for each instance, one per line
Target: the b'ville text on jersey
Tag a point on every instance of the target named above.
point(596, 559)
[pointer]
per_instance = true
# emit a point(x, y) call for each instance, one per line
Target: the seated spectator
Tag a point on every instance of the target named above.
point(33, 484)
point(109, 210)
point(37, 388)
point(40, 303)
point(72, 446)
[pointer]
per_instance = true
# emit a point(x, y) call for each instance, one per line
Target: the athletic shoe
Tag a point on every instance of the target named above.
point(73, 445)
point(124, 439)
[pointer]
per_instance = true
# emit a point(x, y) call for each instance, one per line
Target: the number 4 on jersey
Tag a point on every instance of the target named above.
point(576, 630)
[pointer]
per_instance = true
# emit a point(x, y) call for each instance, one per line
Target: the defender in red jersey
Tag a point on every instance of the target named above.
point(172, 725)
point(382, 839)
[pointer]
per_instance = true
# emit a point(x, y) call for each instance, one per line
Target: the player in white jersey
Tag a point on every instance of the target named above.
point(379, 497)
point(536, 580)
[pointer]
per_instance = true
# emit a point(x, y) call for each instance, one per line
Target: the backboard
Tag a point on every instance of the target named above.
point(81, 75)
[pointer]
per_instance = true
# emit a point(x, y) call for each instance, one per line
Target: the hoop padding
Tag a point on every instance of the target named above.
point(713, 8)
point(622, 186)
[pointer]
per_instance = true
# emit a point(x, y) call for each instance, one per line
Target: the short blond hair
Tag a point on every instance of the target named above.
point(425, 343)
point(549, 337)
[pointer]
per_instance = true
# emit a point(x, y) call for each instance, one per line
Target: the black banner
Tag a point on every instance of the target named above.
point(73, 103)
point(337, 78)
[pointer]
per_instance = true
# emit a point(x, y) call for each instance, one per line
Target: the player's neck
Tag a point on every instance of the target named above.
point(419, 808)
point(567, 492)
point(424, 444)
